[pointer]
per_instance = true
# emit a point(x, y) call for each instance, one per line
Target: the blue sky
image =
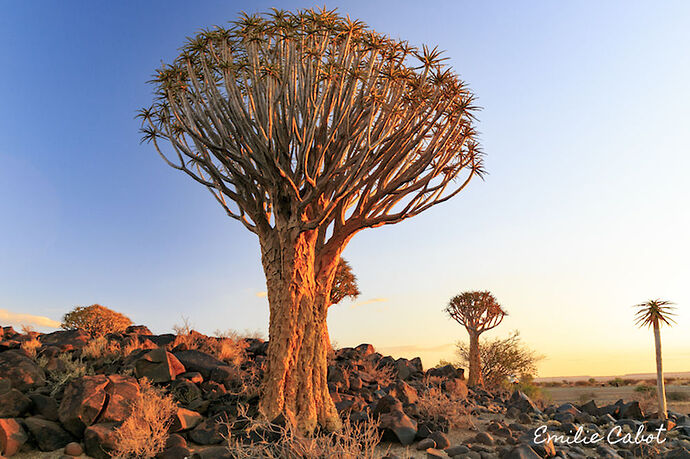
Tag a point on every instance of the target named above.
point(584, 212)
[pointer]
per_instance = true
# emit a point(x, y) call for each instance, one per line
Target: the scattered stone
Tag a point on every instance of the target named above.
point(523, 452)
point(12, 436)
point(74, 449)
point(44, 406)
point(13, 404)
point(99, 440)
point(185, 419)
point(82, 402)
point(208, 432)
point(440, 439)
point(202, 362)
point(158, 365)
point(485, 439)
point(425, 444)
point(48, 434)
point(457, 450)
point(399, 424)
point(433, 453)
point(21, 371)
point(121, 391)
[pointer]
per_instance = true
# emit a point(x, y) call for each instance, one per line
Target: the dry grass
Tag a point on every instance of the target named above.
point(229, 346)
point(100, 347)
point(144, 432)
point(382, 374)
point(435, 405)
point(353, 441)
point(31, 347)
point(65, 370)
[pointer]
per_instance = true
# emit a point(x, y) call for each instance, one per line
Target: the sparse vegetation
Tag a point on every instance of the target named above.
point(143, 433)
point(435, 405)
point(95, 319)
point(382, 374)
point(677, 396)
point(62, 369)
point(227, 346)
point(101, 348)
point(31, 347)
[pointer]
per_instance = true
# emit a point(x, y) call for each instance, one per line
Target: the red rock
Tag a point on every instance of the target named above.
point(122, 391)
point(74, 449)
point(158, 365)
point(12, 436)
point(82, 401)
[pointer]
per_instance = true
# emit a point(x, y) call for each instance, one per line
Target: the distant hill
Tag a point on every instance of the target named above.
point(681, 374)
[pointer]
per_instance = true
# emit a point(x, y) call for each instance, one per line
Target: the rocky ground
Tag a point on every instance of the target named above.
point(64, 394)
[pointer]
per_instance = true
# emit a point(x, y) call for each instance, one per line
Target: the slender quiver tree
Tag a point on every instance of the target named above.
point(477, 312)
point(308, 127)
point(654, 313)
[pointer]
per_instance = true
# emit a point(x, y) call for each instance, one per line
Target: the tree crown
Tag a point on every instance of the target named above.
point(654, 313)
point(95, 319)
point(476, 311)
point(312, 120)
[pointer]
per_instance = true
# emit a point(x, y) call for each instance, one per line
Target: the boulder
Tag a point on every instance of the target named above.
point(184, 391)
point(185, 419)
point(82, 401)
point(387, 404)
point(49, 435)
point(456, 387)
point(12, 436)
point(138, 330)
point(403, 392)
point(445, 371)
point(44, 406)
point(22, 372)
point(400, 425)
point(441, 439)
point(523, 403)
point(122, 391)
point(13, 404)
point(66, 340)
point(208, 432)
point(522, 452)
point(99, 440)
point(158, 365)
point(631, 410)
point(74, 449)
point(408, 368)
point(202, 362)
point(175, 452)
point(161, 340)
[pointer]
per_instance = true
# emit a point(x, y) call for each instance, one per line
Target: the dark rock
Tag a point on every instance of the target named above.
point(522, 452)
point(175, 440)
point(158, 365)
point(13, 404)
point(74, 449)
point(184, 391)
point(12, 436)
point(590, 408)
point(678, 453)
point(66, 340)
point(457, 450)
point(523, 403)
point(404, 392)
point(606, 452)
point(387, 404)
point(138, 329)
point(456, 387)
point(185, 419)
point(21, 371)
point(82, 402)
point(49, 435)
point(122, 391)
point(425, 444)
point(445, 371)
point(208, 432)
point(99, 440)
point(400, 425)
point(44, 406)
point(202, 362)
point(440, 439)
point(408, 368)
point(433, 453)
point(192, 376)
point(176, 452)
point(631, 410)
point(485, 439)
point(214, 452)
point(161, 340)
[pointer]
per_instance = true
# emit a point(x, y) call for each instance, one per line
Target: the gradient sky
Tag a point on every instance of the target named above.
point(585, 121)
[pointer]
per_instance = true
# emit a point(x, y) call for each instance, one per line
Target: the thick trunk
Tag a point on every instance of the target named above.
point(475, 378)
point(295, 381)
point(660, 389)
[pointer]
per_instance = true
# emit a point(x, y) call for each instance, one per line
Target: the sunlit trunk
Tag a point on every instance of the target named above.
point(660, 389)
point(295, 382)
point(475, 378)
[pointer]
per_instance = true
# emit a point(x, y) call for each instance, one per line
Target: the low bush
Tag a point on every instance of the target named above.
point(144, 432)
point(61, 370)
point(95, 319)
point(677, 396)
point(437, 406)
point(31, 347)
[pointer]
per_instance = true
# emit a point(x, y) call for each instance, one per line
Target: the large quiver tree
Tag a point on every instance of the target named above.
point(308, 127)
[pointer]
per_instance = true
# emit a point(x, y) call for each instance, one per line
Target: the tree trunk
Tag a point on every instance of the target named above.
point(475, 377)
point(295, 381)
point(660, 389)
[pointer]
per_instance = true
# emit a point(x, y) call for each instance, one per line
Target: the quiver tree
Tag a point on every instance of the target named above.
point(477, 312)
point(655, 313)
point(344, 283)
point(308, 127)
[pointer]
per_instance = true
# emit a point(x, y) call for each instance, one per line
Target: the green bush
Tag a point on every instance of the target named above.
point(95, 319)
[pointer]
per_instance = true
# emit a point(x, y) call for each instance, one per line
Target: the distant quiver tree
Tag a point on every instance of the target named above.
point(477, 312)
point(308, 127)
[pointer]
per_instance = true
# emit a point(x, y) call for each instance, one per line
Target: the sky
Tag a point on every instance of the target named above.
point(583, 213)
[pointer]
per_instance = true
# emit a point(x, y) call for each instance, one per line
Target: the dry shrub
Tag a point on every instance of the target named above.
point(435, 405)
point(101, 347)
point(132, 345)
point(144, 432)
point(27, 329)
point(95, 319)
point(353, 441)
point(647, 400)
point(63, 370)
point(228, 347)
point(31, 347)
point(678, 396)
point(382, 374)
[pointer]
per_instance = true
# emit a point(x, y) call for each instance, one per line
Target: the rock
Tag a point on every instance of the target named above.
point(456, 387)
point(403, 392)
point(44, 406)
point(214, 452)
point(226, 375)
point(426, 444)
point(158, 365)
point(185, 391)
point(433, 453)
point(161, 340)
point(399, 424)
point(485, 439)
point(12, 436)
point(387, 404)
point(457, 450)
point(48, 434)
point(365, 350)
point(408, 368)
point(22, 372)
point(99, 440)
point(208, 432)
point(82, 401)
point(175, 440)
point(522, 452)
point(122, 391)
point(445, 371)
point(523, 403)
point(678, 453)
point(192, 376)
point(138, 329)
point(185, 419)
point(74, 449)
point(13, 404)
point(176, 452)
point(440, 439)
point(606, 452)
point(202, 362)
point(590, 408)
point(631, 410)
point(66, 340)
